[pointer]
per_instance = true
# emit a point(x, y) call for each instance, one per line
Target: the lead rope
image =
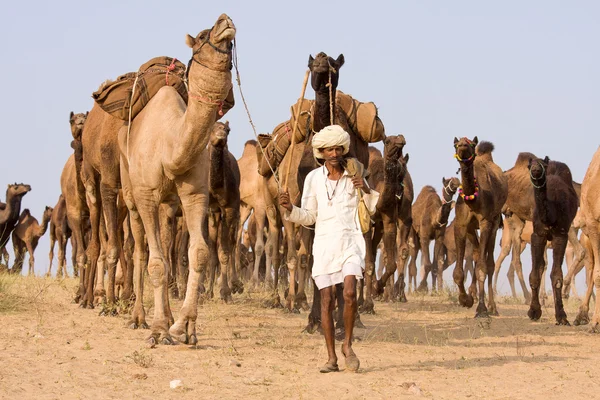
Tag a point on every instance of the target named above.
point(239, 83)
point(129, 120)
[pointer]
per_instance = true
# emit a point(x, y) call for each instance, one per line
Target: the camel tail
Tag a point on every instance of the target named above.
point(484, 148)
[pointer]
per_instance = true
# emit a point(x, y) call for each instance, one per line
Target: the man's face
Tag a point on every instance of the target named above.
point(332, 154)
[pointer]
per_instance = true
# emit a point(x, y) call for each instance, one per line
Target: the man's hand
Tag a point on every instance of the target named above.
point(284, 200)
point(359, 183)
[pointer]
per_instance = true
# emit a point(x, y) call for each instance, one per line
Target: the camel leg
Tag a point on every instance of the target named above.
point(516, 227)
point(412, 266)
point(492, 308)
point(595, 324)
point(93, 248)
point(475, 244)
point(505, 244)
point(578, 249)
point(229, 246)
point(274, 255)
point(404, 227)
point(51, 254)
point(438, 259)
point(559, 244)
point(245, 211)
point(389, 244)
point(195, 207)
point(109, 192)
point(292, 264)
point(214, 221)
point(138, 314)
point(99, 287)
point(182, 260)
point(481, 267)
point(572, 271)
point(583, 317)
point(259, 247)
point(62, 267)
point(538, 244)
point(460, 236)
point(19, 249)
point(371, 251)
point(306, 239)
point(30, 250)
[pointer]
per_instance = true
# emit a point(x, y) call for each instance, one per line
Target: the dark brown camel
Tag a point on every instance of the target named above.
point(224, 215)
point(9, 215)
point(556, 204)
point(386, 174)
point(449, 252)
point(59, 232)
point(430, 217)
point(482, 195)
point(26, 236)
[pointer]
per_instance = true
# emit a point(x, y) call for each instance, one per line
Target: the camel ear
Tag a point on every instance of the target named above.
point(546, 160)
point(444, 180)
point(455, 141)
point(311, 60)
point(529, 163)
point(227, 124)
point(406, 158)
point(86, 113)
point(71, 116)
point(340, 61)
point(475, 140)
point(190, 41)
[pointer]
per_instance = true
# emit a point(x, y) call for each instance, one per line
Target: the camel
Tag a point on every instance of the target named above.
point(449, 252)
point(252, 200)
point(25, 238)
point(555, 207)
point(59, 231)
point(590, 209)
point(583, 317)
point(9, 215)
point(482, 195)
point(519, 205)
point(164, 157)
point(574, 268)
point(430, 217)
point(224, 216)
point(386, 174)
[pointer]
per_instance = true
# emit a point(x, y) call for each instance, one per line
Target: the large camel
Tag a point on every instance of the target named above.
point(574, 268)
point(386, 174)
point(26, 236)
point(9, 215)
point(224, 216)
point(252, 200)
point(164, 156)
point(583, 316)
point(590, 208)
point(482, 195)
point(430, 217)
point(59, 232)
point(519, 205)
point(555, 207)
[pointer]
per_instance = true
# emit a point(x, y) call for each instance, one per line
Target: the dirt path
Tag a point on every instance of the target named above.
point(52, 349)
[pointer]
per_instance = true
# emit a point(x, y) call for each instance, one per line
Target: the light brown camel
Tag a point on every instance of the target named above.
point(59, 232)
point(590, 207)
point(449, 252)
point(482, 195)
point(9, 215)
point(555, 207)
point(574, 268)
point(519, 205)
point(430, 217)
point(252, 200)
point(386, 174)
point(583, 316)
point(224, 216)
point(26, 236)
point(164, 156)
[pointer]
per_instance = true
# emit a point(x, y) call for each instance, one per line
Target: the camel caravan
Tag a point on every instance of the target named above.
point(152, 191)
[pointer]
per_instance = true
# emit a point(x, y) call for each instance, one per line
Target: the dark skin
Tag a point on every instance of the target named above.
point(335, 170)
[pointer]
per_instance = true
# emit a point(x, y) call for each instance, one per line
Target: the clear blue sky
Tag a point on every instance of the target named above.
point(523, 75)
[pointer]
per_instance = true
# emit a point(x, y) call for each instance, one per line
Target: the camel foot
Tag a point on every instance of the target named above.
point(76, 299)
point(108, 311)
point(583, 318)
point(329, 367)
point(226, 295)
point(163, 339)
point(302, 301)
point(358, 323)
point(422, 288)
point(482, 314)
point(561, 319)
point(352, 361)
point(237, 287)
point(379, 287)
point(534, 314)
point(135, 325)
point(184, 331)
point(493, 311)
point(595, 328)
point(340, 334)
point(466, 300)
point(367, 308)
point(273, 302)
point(313, 325)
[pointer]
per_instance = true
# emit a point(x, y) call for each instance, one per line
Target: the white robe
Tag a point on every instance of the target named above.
point(337, 228)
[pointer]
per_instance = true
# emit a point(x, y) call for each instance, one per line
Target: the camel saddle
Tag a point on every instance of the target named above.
point(362, 117)
point(115, 97)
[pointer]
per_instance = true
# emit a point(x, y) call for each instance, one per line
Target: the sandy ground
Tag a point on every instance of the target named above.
point(428, 347)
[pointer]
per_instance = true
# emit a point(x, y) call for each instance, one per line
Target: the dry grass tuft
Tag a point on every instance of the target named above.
point(141, 358)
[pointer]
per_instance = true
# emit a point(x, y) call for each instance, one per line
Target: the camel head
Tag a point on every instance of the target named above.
point(320, 67)
point(465, 149)
point(212, 47)
point(47, 213)
point(537, 171)
point(17, 189)
point(450, 186)
point(77, 121)
point(393, 146)
point(219, 134)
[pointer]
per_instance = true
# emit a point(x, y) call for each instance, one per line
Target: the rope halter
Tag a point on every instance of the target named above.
point(534, 179)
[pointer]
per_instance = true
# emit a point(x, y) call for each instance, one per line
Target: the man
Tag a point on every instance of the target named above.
point(330, 201)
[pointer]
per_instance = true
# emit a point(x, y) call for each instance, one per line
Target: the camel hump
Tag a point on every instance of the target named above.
point(251, 142)
point(524, 157)
point(484, 148)
point(24, 214)
point(562, 170)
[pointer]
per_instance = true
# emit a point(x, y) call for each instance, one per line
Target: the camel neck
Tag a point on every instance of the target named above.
point(13, 207)
point(217, 167)
point(391, 185)
point(322, 117)
point(444, 213)
point(41, 229)
point(467, 178)
point(540, 196)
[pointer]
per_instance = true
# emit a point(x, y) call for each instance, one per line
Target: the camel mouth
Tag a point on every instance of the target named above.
point(224, 30)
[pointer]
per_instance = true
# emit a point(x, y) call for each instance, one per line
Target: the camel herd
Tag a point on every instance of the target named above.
point(161, 197)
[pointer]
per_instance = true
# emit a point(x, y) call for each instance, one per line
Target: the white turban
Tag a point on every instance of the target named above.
point(330, 136)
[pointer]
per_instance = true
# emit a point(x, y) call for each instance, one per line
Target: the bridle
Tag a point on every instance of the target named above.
point(206, 40)
point(449, 192)
point(465, 160)
point(534, 179)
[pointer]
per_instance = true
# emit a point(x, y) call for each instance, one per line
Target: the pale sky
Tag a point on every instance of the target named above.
point(523, 75)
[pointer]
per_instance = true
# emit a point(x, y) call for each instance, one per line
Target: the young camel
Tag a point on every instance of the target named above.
point(555, 208)
point(430, 217)
point(482, 195)
point(590, 208)
point(26, 236)
point(164, 157)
